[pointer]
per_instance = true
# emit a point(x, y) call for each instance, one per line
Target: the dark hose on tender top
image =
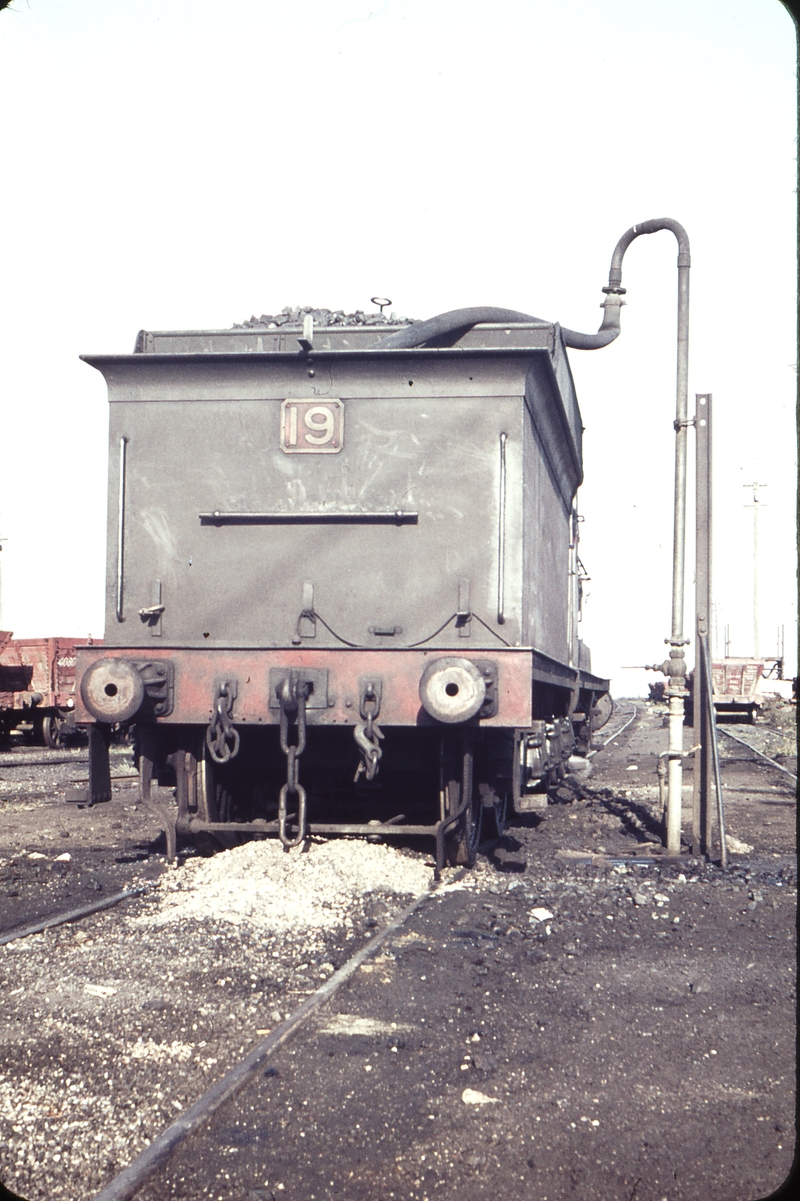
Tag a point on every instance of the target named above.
point(448, 323)
point(462, 319)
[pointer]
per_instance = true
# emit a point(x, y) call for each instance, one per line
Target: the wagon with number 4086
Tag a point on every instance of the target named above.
point(343, 585)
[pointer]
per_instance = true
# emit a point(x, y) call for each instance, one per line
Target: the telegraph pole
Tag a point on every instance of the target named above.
point(755, 507)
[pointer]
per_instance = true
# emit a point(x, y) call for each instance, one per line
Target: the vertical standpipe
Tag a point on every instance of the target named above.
point(675, 666)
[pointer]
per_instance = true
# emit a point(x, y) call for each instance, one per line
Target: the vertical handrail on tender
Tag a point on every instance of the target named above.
point(501, 542)
point(123, 444)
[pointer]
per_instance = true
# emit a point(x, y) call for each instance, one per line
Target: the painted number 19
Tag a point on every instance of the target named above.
point(312, 426)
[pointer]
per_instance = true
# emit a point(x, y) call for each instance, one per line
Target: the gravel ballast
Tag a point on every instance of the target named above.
point(112, 1026)
point(651, 977)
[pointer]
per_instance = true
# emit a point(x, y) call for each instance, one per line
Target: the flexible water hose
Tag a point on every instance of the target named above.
point(461, 319)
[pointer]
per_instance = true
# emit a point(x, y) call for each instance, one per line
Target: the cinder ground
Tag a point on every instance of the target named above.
point(639, 1044)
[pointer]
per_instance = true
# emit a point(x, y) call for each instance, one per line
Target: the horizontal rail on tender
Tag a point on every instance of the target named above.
point(395, 826)
point(260, 826)
point(398, 517)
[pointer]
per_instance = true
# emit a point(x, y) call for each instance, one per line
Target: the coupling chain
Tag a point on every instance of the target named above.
point(368, 735)
point(222, 737)
point(293, 696)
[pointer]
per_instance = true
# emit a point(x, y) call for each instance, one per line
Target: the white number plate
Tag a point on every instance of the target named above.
point(312, 427)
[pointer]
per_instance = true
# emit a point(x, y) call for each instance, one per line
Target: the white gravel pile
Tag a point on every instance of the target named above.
point(261, 885)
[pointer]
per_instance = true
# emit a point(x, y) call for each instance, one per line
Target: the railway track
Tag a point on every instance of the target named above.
point(423, 1063)
point(71, 915)
point(128, 1183)
point(33, 774)
point(462, 993)
point(760, 756)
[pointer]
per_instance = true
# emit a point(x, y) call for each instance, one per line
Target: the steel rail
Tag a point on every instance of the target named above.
point(125, 1186)
point(59, 919)
point(14, 758)
point(16, 762)
point(755, 751)
point(131, 775)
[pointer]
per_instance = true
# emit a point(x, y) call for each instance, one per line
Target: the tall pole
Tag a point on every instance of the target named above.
point(703, 684)
point(755, 507)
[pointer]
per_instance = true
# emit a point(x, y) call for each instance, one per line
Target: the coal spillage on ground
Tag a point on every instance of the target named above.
point(557, 1027)
point(480, 1051)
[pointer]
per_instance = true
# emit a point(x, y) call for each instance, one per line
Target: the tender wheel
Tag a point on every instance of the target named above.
point(215, 801)
point(603, 708)
point(53, 730)
point(461, 843)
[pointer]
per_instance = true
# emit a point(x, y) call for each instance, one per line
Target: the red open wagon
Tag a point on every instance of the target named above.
point(37, 685)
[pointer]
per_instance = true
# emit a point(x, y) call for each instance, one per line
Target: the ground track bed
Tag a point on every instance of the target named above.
point(577, 1017)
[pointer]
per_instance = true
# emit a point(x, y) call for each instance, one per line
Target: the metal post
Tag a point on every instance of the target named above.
point(703, 682)
point(755, 507)
point(723, 844)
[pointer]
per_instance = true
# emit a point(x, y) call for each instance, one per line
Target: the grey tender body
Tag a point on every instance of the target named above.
point(197, 417)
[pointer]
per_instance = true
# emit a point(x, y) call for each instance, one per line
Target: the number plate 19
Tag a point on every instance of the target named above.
point(312, 427)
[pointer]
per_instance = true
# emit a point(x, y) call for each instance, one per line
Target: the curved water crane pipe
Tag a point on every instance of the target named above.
point(448, 324)
point(674, 667)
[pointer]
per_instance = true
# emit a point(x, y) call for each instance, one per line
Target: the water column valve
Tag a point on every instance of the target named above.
point(674, 668)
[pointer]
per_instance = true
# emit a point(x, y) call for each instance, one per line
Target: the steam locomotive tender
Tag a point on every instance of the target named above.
point(343, 578)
